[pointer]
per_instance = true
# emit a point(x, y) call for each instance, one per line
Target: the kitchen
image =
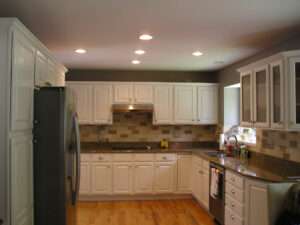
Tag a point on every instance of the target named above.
point(152, 124)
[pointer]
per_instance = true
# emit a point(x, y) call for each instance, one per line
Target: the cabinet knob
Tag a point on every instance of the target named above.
point(232, 205)
point(164, 158)
point(232, 192)
point(100, 158)
point(232, 179)
point(232, 218)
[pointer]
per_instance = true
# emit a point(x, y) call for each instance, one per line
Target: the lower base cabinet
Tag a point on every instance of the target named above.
point(122, 178)
point(200, 181)
point(184, 164)
point(85, 178)
point(164, 177)
point(143, 178)
point(101, 178)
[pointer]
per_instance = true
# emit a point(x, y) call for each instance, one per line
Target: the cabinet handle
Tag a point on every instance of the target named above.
point(100, 158)
point(233, 192)
point(232, 218)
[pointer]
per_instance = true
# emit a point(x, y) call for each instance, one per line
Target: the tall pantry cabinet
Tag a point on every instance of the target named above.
point(18, 60)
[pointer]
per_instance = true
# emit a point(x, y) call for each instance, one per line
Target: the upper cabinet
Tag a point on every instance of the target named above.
point(270, 95)
point(179, 103)
point(208, 96)
point(129, 93)
point(185, 104)
point(294, 91)
point(102, 103)
point(163, 104)
point(83, 96)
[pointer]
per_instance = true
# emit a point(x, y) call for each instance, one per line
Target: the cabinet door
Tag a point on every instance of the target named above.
point(83, 97)
point(164, 177)
point(122, 178)
point(123, 93)
point(143, 178)
point(101, 178)
point(185, 104)
point(52, 74)
point(23, 59)
point(256, 205)
point(22, 180)
point(246, 115)
point(163, 104)
point(143, 93)
point(85, 178)
point(294, 93)
point(184, 174)
point(261, 97)
point(41, 69)
point(102, 104)
point(197, 183)
point(208, 105)
point(277, 95)
point(205, 189)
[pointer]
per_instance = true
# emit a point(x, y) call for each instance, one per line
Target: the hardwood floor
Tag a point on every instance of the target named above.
point(154, 212)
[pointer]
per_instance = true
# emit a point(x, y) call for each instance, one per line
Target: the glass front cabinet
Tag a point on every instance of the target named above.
point(270, 92)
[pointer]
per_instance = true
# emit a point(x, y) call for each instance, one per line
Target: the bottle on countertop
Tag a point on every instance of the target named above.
point(164, 144)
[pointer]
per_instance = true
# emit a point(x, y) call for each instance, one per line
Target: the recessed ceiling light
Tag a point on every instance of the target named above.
point(139, 52)
point(80, 51)
point(197, 53)
point(135, 62)
point(146, 37)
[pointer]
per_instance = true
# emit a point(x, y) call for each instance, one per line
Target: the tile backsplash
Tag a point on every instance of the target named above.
point(281, 144)
point(135, 126)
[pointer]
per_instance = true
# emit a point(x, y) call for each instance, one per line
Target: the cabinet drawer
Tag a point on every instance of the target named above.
point(231, 218)
point(143, 157)
point(235, 179)
point(101, 157)
point(235, 206)
point(234, 192)
point(85, 157)
point(165, 157)
point(125, 157)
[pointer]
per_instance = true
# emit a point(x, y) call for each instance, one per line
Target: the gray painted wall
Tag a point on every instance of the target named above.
point(229, 75)
point(156, 76)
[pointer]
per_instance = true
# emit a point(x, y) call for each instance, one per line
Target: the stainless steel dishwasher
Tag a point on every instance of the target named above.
point(217, 192)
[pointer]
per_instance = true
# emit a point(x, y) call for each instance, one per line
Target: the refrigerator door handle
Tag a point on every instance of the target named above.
point(77, 158)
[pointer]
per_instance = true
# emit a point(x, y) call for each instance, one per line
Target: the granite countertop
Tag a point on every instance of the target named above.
point(259, 166)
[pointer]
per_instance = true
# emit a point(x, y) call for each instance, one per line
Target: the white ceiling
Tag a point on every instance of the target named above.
point(224, 30)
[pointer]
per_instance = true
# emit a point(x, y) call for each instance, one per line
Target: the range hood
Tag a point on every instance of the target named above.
point(132, 108)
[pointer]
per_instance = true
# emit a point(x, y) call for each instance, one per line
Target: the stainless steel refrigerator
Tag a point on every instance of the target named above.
point(56, 157)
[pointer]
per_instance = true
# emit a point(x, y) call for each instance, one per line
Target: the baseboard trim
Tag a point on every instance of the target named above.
point(133, 197)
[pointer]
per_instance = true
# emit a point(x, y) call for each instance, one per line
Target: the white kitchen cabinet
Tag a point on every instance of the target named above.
point(261, 95)
point(293, 64)
point(123, 93)
point(256, 204)
point(277, 95)
point(143, 178)
point(207, 104)
point(133, 93)
point(85, 178)
point(83, 94)
point(164, 177)
point(184, 165)
point(143, 93)
point(246, 114)
point(185, 104)
point(197, 180)
point(22, 179)
point(41, 69)
point(101, 178)
point(122, 178)
point(102, 113)
point(200, 181)
point(22, 83)
point(163, 104)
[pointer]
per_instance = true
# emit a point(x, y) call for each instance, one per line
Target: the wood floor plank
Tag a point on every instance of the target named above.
point(152, 212)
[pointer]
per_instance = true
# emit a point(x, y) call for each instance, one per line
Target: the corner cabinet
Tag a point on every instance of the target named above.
point(270, 92)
